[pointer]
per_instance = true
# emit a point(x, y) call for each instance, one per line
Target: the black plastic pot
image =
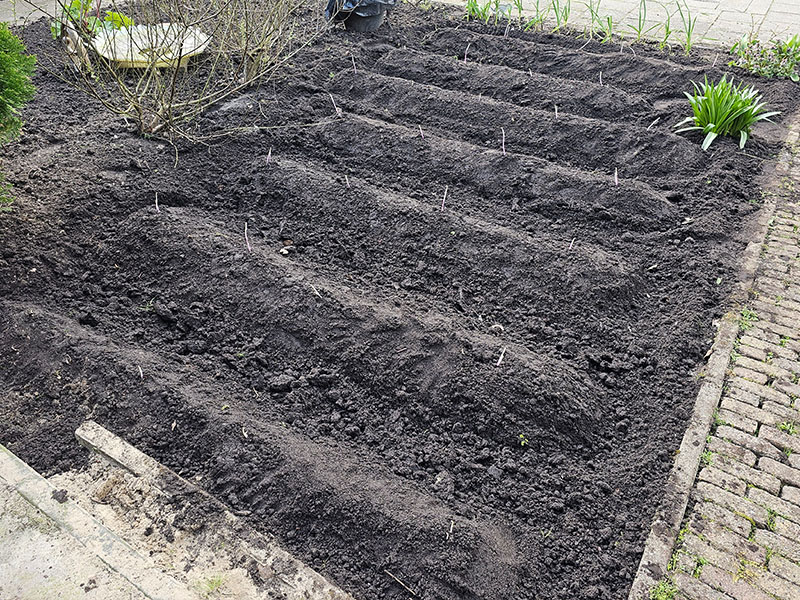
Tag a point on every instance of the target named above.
point(355, 22)
point(359, 15)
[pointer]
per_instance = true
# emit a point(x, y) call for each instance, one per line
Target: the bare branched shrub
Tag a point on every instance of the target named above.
point(138, 58)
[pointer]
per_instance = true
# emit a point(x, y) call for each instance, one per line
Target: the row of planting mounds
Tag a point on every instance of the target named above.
point(457, 346)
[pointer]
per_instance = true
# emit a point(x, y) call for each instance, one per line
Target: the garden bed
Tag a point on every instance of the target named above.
point(478, 395)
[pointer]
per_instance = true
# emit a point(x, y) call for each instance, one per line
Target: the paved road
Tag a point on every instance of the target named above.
point(18, 11)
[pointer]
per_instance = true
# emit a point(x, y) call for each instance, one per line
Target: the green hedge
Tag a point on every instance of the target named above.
point(16, 68)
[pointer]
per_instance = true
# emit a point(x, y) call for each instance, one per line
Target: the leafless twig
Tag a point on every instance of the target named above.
point(408, 589)
point(336, 108)
point(502, 355)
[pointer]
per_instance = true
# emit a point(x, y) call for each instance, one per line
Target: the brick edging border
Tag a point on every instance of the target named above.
point(671, 510)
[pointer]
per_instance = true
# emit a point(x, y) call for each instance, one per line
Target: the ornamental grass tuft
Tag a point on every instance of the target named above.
point(724, 109)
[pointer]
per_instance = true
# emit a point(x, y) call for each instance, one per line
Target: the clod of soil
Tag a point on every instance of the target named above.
point(479, 394)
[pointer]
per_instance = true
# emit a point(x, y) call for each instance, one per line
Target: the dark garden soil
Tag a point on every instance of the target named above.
point(483, 400)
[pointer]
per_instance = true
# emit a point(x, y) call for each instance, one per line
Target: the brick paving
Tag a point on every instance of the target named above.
point(719, 22)
point(741, 538)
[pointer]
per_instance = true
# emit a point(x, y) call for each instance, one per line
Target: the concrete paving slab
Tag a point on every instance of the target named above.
point(40, 561)
point(130, 528)
point(140, 494)
point(95, 539)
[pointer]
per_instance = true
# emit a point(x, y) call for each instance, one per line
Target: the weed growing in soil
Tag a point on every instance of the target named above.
point(668, 31)
point(6, 200)
point(479, 12)
point(724, 109)
point(700, 562)
point(607, 27)
point(664, 590)
point(539, 16)
point(518, 4)
point(593, 6)
point(16, 69)
point(788, 427)
point(778, 59)
point(213, 585)
point(771, 514)
point(747, 318)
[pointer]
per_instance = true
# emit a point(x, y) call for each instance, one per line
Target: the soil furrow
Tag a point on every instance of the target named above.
point(289, 309)
point(478, 179)
point(529, 90)
point(600, 146)
point(644, 71)
point(661, 79)
point(385, 241)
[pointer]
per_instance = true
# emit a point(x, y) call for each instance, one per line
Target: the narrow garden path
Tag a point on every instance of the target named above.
point(740, 538)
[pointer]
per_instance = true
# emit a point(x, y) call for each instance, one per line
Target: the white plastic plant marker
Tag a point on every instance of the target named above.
point(159, 45)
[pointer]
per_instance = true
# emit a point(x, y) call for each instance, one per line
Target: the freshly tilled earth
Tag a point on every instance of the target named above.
point(457, 349)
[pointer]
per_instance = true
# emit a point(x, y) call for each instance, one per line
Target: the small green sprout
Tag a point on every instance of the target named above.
point(747, 318)
point(689, 24)
point(213, 585)
point(700, 562)
point(664, 590)
point(771, 514)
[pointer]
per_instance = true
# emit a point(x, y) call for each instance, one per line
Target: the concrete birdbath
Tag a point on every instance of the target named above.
point(160, 45)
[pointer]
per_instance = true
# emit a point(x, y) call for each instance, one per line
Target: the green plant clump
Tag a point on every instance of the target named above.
point(78, 14)
point(724, 109)
point(665, 590)
point(16, 68)
point(780, 59)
